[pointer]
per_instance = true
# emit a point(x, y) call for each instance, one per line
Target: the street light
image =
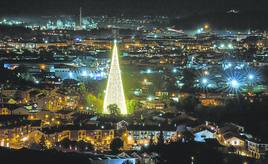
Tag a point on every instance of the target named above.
point(84, 73)
point(234, 84)
point(145, 80)
point(24, 139)
point(204, 81)
point(251, 76)
point(230, 46)
point(149, 71)
point(235, 80)
point(206, 73)
point(150, 98)
point(70, 74)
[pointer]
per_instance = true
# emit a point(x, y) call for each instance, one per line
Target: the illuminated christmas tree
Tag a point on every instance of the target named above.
point(115, 92)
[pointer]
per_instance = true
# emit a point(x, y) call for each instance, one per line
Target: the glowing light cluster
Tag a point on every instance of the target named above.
point(231, 80)
point(239, 79)
point(114, 92)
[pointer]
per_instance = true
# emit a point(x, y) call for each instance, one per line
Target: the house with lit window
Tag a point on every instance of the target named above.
point(5, 111)
point(94, 134)
point(142, 134)
point(229, 135)
point(256, 148)
point(203, 134)
point(154, 104)
point(232, 139)
point(13, 129)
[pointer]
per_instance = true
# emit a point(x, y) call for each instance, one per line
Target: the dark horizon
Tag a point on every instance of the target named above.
point(127, 7)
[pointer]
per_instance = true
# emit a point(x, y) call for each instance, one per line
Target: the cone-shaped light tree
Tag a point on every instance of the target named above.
point(114, 93)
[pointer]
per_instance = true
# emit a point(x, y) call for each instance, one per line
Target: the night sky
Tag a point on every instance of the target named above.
point(117, 7)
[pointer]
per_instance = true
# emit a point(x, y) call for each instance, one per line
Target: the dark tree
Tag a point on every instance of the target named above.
point(188, 80)
point(114, 110)
point(84, 146)
point(190, 103)
point(116, 144)
point(35, 146)
point(151, 140)
point(161, 138)
point(42, 143)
